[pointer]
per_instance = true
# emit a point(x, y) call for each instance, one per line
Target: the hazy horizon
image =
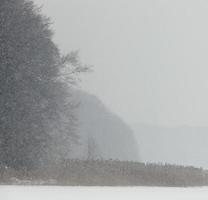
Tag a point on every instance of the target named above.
point(149, 56)
point(104, 93)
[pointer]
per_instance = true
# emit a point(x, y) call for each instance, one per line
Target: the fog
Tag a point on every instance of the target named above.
point(102, 134)
point(149, 57)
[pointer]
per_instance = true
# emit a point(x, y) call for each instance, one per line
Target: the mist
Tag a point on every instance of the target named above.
point(103, 93)
point(149, 56)
point(150, 63)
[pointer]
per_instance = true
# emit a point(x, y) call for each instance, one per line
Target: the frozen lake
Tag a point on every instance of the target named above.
point(101, 193)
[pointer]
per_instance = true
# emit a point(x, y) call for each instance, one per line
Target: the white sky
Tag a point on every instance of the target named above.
point(150, 56)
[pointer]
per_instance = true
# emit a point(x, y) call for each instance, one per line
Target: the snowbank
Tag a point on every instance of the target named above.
point(133, 193)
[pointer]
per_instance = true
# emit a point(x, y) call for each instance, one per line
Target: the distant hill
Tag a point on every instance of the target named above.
point(181, 145)
point(102, 134)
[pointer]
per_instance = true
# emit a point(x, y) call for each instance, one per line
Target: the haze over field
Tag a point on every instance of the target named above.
point(150, 67)
point(137, 118)
point(149, 57)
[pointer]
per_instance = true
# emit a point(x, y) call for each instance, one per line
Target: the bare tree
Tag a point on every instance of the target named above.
point(92, 149)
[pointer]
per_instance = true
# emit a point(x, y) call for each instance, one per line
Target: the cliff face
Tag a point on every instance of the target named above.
point(102, 134)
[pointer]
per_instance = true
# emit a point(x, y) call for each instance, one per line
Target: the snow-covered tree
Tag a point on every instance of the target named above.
point(35, 115)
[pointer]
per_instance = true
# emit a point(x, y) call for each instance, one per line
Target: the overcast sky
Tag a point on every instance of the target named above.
point(150, 57)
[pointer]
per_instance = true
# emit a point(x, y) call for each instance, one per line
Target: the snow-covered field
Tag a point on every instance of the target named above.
point(101, 193)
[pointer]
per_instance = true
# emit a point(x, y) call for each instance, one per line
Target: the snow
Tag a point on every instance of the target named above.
point(101, 193)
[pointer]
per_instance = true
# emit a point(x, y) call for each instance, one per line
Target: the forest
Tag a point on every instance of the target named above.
point(41, 108)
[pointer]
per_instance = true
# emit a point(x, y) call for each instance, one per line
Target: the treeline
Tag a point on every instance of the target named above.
point(109, 173)
point(37, 116)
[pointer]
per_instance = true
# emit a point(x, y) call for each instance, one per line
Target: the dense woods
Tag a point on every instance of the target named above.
point(36, 114)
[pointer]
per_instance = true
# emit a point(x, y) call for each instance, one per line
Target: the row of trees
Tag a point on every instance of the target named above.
point(37, 117)
point(108, 173)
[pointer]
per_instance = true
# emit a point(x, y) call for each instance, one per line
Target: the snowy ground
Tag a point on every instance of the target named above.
point(98, 193)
